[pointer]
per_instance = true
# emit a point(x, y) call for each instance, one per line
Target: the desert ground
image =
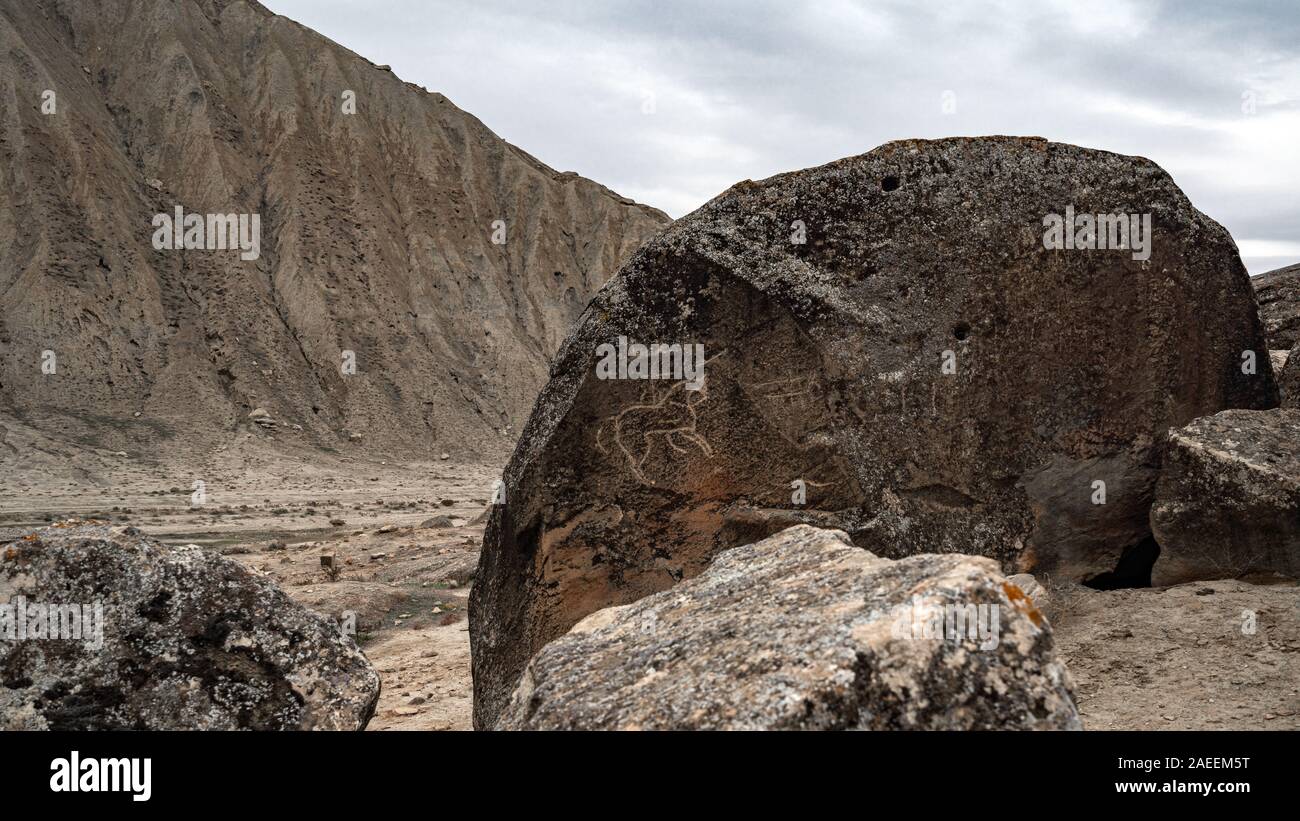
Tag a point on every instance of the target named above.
point(1182, 657)
point(405, 553)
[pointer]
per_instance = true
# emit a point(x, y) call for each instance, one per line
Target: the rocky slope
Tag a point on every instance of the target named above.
point(398, 235)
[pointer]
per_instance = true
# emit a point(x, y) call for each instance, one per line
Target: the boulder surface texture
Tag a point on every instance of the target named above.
point(894, 346)
point(1228, 501)
point(804, 630)
point(186, 640)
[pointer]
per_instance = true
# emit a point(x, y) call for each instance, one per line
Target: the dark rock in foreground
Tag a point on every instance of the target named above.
point(891, 351)
point(1228, 501)
point(190, 640)
point(1278, 293)
point(806, 631)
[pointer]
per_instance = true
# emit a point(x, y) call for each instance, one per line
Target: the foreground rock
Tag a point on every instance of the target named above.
point(1228, 501)
point(190, 640)
point(1278, 293)
point(891, 351)
point(806, 631)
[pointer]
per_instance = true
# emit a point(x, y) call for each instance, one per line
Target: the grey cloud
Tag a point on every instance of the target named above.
point(749, 89)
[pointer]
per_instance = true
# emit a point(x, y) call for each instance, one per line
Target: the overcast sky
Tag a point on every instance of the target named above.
point(670, 102)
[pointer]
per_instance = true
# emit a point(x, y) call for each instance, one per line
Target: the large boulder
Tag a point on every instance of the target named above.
point(151, 637)
point(803, 630)
point(1228, 501)
point(890, 350)
point(1278, 293)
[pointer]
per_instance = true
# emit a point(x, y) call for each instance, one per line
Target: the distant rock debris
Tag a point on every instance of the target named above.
point(805, 631)
point(1228, 501)
point(168, 638)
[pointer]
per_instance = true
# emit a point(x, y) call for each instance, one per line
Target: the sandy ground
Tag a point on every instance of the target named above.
point(406, 584)
point(1188, 657)
point(1207, 655)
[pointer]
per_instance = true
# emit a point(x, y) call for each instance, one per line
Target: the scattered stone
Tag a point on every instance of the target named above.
point(919, 371)
point(437, 521)
point(806, 631)
point(190, 641)
point(1228, 501)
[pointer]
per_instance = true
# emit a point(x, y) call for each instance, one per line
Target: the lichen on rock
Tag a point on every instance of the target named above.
point(170, 638)
point(805, 631)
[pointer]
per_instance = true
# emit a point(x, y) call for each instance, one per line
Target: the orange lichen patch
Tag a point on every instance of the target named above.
point(1023, 603)
point(11, 554)
point(31, 537)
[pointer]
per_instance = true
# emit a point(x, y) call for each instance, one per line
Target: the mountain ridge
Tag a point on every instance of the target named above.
point(377, 239)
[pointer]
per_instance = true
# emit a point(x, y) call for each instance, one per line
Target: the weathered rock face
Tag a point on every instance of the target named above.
point(398, 234)
point(190, 640)
point(1228, 501)
point(1278, 293)
point(826, 369)
point(803, 630)
point(1288, 382)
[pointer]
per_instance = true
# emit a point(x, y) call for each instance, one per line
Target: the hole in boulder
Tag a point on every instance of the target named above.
point(961, 330)
point(1132, 570)
point(889, 183)
point(156, 609)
